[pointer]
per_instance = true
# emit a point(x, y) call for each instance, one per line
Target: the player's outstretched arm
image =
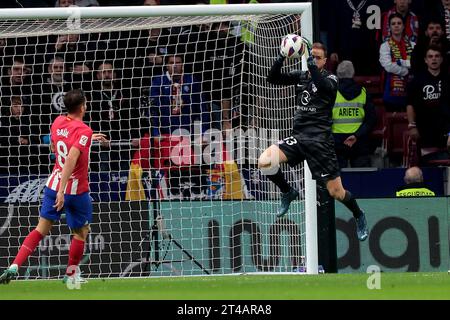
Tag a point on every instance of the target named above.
point(324, 83)
point(69, 166)
point(100, 137)
point(276, 77)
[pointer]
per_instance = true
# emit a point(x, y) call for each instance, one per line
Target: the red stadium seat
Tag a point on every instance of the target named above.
point(393, 140)
point(413, 153)
point(380, 127)
point(169, 154)
point(437, 163)
point(410, 151)
point(371, 83)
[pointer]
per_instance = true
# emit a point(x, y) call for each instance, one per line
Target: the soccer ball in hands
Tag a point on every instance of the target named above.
point(293, 46)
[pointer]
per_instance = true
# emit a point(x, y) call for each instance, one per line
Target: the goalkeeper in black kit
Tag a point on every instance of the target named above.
point(311, 137)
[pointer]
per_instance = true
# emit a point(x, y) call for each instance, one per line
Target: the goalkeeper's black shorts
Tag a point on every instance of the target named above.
point(320, 155)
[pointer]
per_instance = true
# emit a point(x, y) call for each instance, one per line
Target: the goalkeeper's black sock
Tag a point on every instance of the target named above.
point(350, 202)
point(278, 179)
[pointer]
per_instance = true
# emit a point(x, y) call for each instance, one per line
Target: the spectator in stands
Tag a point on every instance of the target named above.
point(414, 185)
point(395, 58)
point(151, 2)
point(51, 92)
point(79, 3)
point(176, 99)
point(428, 108)
point(110, 46)
point(410, 20)
point(114, 113)
point(15, 138)
point(47, 102)
point(78, 59)
point(15, 124)
point(148, 51)
point(223, 53)
point(155, 61)
point(15, 79)
point(18, 72)
point(178, 109)
point(154, 49)
point(353, 119)
point(352, 33)
point(433, 35)
point(56, 69)
point(16, 76)
point(64, 3)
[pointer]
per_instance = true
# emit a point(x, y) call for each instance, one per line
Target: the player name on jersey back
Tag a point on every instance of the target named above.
point(62, 132)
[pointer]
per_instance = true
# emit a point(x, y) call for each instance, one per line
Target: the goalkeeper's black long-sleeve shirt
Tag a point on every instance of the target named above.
point(316, 94)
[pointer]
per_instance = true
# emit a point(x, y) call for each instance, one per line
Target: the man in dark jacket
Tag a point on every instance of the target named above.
point(353, 119)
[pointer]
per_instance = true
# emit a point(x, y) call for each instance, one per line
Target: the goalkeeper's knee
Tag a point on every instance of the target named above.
point(267, 164)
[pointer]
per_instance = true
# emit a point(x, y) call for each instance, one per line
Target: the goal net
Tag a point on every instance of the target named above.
point(181, 93)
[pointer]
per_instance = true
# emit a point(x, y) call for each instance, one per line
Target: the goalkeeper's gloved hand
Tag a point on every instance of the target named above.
point(308, 46)
point(310, 62)
point(280, 58)
point(281, 53)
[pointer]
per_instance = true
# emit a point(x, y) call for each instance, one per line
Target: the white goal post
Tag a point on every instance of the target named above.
point(113, 52)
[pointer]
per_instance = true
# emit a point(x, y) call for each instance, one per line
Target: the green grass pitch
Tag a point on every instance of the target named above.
point(248, 287)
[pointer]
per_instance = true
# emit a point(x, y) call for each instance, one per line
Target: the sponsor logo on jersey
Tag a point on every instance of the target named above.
point(308, 109)
point(305, 98)
point(83, 140)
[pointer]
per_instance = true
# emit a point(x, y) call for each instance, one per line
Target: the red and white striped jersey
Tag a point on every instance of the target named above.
point(65, 134)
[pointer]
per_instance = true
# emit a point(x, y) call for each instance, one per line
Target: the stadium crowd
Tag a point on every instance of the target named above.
point(168, 78)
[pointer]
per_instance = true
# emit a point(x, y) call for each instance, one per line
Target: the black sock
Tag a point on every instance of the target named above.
point(278, 179)
point(350, 202)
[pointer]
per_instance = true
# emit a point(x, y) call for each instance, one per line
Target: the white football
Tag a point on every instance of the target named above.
point(293, 46)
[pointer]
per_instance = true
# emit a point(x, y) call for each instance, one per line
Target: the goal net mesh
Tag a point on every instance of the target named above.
point(187, 108)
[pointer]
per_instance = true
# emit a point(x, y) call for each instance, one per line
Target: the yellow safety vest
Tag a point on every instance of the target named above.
point(415, 192)
point(247, 35)
point(348, 115)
